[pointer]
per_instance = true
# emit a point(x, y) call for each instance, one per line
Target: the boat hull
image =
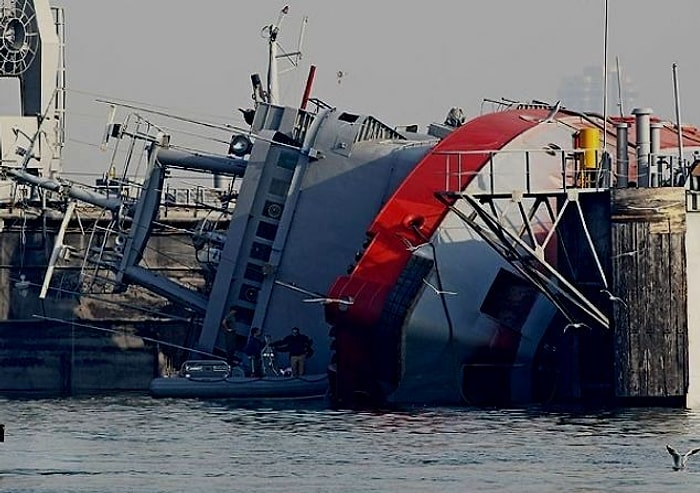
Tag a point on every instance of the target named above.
point(245, 388)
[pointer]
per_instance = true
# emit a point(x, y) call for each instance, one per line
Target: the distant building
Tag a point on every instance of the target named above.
point(584, 92)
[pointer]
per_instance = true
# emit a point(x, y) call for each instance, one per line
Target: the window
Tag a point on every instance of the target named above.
point(260, 251)
point(279, 187)
point(266, 230)
point(254, 273)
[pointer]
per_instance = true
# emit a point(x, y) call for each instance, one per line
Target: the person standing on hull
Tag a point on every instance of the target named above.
point(254, 350)
point(299, 348)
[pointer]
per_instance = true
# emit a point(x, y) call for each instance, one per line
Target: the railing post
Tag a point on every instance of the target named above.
point(447, 172)
point(527, 171)
point(459, 171)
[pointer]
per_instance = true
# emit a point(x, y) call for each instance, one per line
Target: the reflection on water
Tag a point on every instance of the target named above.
point(135, 443)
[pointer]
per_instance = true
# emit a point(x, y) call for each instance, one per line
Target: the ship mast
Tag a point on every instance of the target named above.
point(272, 72)
point(271, 32)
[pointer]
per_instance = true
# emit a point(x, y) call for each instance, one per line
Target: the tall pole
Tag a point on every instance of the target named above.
point(677, 98)
point(605, 81)
point(619, 88)
point(272, 72)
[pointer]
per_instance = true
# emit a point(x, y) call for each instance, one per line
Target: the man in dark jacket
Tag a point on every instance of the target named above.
point(298, 346)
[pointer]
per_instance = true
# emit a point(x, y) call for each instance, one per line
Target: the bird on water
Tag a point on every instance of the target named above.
point(680, 460)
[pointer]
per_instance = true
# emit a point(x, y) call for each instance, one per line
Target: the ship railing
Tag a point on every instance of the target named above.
point(197, 200)
point(587, 169)
point(194, 200)
point(373, 129)
point(319, 104)
point(368, 129)
point(515, 169)
point(670, 170)
point(302, 125)
point(505, 104)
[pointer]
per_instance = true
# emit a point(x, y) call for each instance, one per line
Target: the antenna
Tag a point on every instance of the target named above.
point(271, 32)
point(272, 74)
point(677, 98)
point(302, 31)
point(619, 87)
point(295, 56)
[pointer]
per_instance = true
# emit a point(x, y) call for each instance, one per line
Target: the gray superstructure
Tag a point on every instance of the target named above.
point(302, 210)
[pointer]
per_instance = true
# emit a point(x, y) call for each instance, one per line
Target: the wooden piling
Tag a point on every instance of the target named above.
point(648, 273)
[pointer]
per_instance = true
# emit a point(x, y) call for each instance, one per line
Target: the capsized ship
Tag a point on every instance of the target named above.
point(427, 267)
point(462, 294)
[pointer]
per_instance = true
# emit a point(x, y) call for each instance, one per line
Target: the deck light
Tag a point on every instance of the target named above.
point(240, 145)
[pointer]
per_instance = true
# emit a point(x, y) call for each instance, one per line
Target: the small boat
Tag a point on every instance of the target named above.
point(218, 379)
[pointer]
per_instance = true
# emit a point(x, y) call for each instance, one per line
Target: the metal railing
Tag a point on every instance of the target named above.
point(505, 171)
point(515, 169)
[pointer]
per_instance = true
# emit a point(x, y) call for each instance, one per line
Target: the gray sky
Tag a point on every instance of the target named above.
point(404, 62)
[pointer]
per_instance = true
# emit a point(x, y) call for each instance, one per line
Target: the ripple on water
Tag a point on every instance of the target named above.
point(135, 443)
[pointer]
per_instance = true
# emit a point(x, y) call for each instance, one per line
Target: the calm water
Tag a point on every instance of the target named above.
point(135, 443)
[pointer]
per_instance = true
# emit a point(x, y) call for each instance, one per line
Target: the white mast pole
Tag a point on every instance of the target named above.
point(676, 92)
point(605, 81)
point(272, 71)
point(619, 88)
